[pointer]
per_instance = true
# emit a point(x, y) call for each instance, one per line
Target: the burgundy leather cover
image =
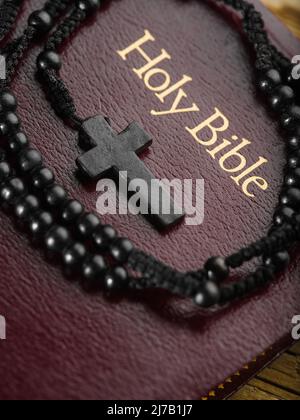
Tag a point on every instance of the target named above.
point(62, 343)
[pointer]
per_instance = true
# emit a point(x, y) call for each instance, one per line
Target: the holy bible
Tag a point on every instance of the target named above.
point(184, 74)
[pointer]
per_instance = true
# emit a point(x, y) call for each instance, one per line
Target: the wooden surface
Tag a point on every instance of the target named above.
point(279, 381)
point(288, 11)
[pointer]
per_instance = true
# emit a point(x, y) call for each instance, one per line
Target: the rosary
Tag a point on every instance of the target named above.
point(77, 239)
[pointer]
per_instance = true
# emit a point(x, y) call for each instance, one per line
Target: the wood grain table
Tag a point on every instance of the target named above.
point(288, 11)
point(281, 380)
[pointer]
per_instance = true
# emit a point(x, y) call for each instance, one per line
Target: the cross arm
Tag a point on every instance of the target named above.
point(95, 130)
point(95, 163)
point(135, 139)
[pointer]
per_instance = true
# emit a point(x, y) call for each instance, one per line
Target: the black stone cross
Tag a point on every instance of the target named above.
point(111, 154)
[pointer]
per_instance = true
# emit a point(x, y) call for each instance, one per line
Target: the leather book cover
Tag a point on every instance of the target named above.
point(64, 343)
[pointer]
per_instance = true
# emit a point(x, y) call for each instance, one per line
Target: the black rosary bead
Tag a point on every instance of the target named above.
point(293, 143)
point(8, 102)
point(71, 211)
point(104, 236)
point(5, 171)
point(293, 163)
point(73, 257)
point(55, 196)
point(26, 207)
point(239, 289)
point(42, 178)
point(296, 223)
point(290, 120)
point(280, 261)
point(250, 283)
point(209, 295)
point(217, 268)
point(283, 215)
point(89, 6)
point(11, 190)
point(226, 294)
point(291, 198)
point(291, 81)
point(29, 159)
point(282, 97)
point(56, 240)
point(94, 269)
point(117, 279)
point(287, 213)
point(269, 81)
point(49, 60)
point(17, 142)
point(121, 249)
point(264, 274)
point(41, 20)
point(40, 223)
point(10, 123)
point(260, 277)
point(87, 224)
point(293, 178)
point(289, 181)
point(2, 155)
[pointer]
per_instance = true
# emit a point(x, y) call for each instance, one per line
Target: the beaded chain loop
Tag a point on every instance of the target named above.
point(78, 239)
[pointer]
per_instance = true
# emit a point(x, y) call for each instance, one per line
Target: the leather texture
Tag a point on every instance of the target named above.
point(63, 343)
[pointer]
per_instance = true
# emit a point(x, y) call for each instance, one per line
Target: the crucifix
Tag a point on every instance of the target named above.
point(111, 154)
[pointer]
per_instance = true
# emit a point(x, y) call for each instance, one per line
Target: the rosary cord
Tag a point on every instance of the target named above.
point(65, 30)
point(57, 7)
point(9, 10)
point(268, 55)
point(60, 98)
point(41, 22)
point(8, 16)
point(55, 88)
point(16, 56)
